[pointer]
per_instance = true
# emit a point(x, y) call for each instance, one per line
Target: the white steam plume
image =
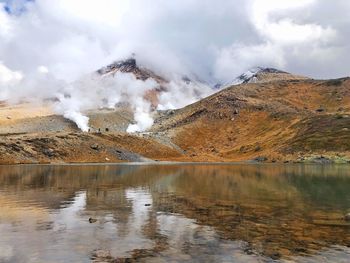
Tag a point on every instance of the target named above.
point(142, 117)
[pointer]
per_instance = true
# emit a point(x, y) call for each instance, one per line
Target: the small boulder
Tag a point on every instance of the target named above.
point(95, 146)
point(257, 148)
point(49, 152)
point(261, 159)
point(347, 217)
point(92, 220)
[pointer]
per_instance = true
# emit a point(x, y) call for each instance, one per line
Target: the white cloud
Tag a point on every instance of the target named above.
point(73, 37)
point(104, 13)
point(8, 80)
point(283, 40)
point(238, 58)
point(8, 76)
point(214, 40)
point(285, 30)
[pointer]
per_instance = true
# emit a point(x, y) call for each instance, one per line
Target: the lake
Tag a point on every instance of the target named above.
point(175, 213)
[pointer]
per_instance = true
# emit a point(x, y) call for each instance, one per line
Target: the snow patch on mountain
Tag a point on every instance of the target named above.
point(251, 76)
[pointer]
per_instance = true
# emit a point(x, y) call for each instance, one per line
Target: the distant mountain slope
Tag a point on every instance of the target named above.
point(275, 121)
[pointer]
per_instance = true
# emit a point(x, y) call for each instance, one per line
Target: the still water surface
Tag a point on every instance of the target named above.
point(174, 213)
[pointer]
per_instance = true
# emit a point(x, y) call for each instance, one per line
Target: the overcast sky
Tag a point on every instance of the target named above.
point(214, 39)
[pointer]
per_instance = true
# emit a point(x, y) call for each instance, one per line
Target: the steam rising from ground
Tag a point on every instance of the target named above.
point(94, 91)
point(50, 49)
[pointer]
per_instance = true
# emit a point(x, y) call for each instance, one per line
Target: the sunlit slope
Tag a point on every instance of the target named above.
point(273, 121)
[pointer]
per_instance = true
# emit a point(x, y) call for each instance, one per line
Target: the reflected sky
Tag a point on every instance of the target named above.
point(180, 213)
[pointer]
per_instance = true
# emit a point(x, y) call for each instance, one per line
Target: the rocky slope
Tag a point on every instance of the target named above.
point(276, 120)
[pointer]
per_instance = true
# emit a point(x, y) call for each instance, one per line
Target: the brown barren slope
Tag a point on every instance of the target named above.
point(281, 120)
point(275, 121)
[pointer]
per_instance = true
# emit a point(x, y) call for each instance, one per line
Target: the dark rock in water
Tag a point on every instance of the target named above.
point(322, 160)
point(92, 220)
point(260, 159)
point(95, 146)
point(301, 159)
point(147, 204)
point(347, 217)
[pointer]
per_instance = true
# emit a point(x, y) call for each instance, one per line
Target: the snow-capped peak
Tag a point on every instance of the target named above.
point(251, 76)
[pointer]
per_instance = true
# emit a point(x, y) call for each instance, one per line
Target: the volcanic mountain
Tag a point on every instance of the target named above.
point(271, 116)
point(131, 66)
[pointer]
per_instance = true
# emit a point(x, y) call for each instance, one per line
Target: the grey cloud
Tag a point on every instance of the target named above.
point(188, 36)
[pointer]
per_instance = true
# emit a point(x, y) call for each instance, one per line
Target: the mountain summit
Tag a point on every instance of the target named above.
point(262, 75)
point(171, 87)
point(130, 66)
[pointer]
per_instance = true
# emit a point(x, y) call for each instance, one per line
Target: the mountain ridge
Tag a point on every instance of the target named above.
point(261, 75)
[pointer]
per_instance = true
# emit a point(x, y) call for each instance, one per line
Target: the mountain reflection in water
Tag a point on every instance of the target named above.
point(180, 213)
